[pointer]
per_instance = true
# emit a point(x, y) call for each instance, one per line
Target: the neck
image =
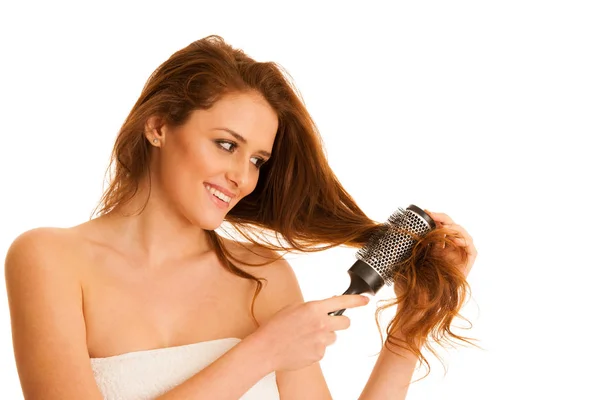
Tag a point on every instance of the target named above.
point(152, 231)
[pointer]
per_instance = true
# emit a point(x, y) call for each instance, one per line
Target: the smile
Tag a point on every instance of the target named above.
point(220, 195)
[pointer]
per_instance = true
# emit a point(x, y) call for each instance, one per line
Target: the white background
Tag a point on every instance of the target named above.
point(486, 111)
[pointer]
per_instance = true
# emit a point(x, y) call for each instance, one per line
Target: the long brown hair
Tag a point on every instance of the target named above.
point(297, 198)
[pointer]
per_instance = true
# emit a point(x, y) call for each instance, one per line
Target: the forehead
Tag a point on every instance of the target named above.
point(248, 114)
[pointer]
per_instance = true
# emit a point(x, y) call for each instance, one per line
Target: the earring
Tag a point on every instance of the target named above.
point(155, 141)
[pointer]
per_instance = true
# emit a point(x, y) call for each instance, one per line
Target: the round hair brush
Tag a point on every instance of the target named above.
point(378, 260)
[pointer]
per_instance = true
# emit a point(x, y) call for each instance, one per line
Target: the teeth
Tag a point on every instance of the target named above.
point(218, 194)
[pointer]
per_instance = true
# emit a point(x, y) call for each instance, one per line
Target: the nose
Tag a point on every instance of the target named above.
point(238, 171)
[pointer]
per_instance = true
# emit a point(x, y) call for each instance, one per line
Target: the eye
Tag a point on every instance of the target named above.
point(231, 146)
point(258, 162)
point(226, 145)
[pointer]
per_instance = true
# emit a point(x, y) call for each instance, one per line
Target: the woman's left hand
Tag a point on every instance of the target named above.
point(444, 221)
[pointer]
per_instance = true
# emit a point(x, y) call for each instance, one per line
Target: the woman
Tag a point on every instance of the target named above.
point(147, 301)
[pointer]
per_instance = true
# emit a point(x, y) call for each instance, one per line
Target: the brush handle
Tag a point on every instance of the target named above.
point(386, 249)
point(363, 279)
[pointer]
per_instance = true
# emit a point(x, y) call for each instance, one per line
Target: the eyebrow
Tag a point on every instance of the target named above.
point(243, 140)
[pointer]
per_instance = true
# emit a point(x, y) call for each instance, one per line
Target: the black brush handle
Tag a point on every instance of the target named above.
point(363, 279)
point(423, 215)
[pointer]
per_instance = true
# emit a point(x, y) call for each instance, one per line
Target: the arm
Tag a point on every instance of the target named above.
point(48, 328)
point(49, 333)
point(232, 373)
point(282, 290)
point(391, 376)
point(229, 377)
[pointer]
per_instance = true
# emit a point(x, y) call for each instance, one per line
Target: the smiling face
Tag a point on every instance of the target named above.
point(204, 167)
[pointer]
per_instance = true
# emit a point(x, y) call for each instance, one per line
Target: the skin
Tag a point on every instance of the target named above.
point(161, 258)
point(391, 376)
point(125, 282)
point(185, 159)
point(131, 281)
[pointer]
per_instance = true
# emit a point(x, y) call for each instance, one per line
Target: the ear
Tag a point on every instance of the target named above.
point(154, 130)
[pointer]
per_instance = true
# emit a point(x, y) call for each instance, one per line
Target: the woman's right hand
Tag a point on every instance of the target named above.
point(298, 335)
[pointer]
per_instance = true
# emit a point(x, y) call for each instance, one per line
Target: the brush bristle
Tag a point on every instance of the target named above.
point(393, 242)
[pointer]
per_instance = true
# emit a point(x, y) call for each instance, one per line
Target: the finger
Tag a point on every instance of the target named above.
point(339, 323)
point(441, 218)
point(460, 242)
point(465, 242)
point(470, 250)
point(461, 230)
point(330, 338)
point(341, 302)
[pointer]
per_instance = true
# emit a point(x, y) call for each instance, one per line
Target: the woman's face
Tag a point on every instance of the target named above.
point(204, 167)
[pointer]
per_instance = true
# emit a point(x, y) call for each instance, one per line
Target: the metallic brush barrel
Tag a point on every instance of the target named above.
point(378, 260)
point(394, 242)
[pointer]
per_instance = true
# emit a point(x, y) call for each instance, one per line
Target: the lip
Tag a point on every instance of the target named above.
point(221, 189)
point(217, 202)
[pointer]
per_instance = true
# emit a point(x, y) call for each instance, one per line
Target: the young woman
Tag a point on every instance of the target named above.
point(146, 301)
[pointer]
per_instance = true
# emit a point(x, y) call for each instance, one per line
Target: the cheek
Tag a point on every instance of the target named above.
point(193, 159)
point(202, 161)
point(181, 169)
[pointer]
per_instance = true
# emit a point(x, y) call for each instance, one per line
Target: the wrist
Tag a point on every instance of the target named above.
point(257, 345)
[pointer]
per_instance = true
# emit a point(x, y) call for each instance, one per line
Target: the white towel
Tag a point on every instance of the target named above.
point(147, 374)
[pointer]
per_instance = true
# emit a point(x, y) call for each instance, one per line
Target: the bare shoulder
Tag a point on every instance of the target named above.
point(48, 328)
point(47, 249)
point(38, 263)
point(281, 287)
point(38, 243)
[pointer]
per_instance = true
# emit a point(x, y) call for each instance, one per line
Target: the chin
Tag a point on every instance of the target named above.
point(206, 216)
point(208, 224)
point(208, 220)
